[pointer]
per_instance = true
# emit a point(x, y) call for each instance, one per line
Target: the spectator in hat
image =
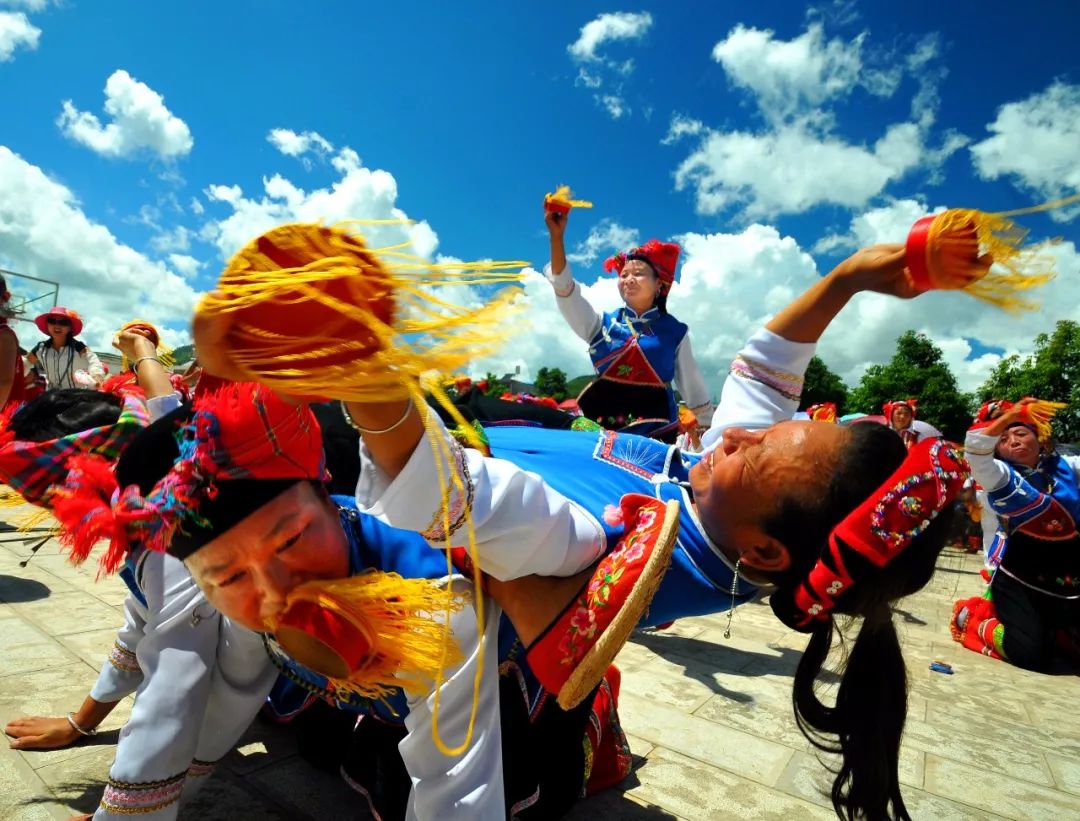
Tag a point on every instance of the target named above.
point(67, 361)
point(11, 373)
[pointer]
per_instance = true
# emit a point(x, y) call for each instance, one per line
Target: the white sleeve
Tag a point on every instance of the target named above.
point(93, 365)
point(121, 675)
point(763, 386)
point(580, 315)
point(176, 655)
point(522, 526)
point(989, 472)
point(469, 785)
point(159, 406)
point(925, 430)
point(691, 383)
point(1074, 463)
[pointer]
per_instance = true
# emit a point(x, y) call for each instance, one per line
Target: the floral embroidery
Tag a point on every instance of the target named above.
point(123, 659)
point(788, 385)
point(459, 504)
point(138, 798)
point(835, 588)
point(630, 551)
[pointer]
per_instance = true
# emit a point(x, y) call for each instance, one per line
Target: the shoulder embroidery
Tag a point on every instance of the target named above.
point(789, 385)
point(453, 513)
point(623, 452)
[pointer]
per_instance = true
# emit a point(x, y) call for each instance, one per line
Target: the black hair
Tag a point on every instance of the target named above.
point(867, 721)
point(62, 412)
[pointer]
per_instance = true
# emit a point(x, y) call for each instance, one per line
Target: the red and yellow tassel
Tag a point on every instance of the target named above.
point(562, 200)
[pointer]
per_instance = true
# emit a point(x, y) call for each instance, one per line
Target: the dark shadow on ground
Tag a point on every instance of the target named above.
point(15, 590)
point(81, 796)
point(909, 618)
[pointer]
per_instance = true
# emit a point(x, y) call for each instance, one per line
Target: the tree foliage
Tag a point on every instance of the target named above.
point(822, 385)
point(1051, 372)
point(495, 386)
point(918, 370)
point(552, 382)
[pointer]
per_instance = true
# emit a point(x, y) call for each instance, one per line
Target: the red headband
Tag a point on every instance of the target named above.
point(889, 407)
point(661, 256)
point(883, 526)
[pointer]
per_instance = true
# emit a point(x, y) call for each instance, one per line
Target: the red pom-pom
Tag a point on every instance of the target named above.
point(83, 507)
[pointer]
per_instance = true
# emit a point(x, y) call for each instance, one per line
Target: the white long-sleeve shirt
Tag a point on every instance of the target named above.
point(584, 320)
point(199, 680)
point(61, 365)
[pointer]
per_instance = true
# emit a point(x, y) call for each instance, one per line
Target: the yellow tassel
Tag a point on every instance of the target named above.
point(319, 314)
point(959, 236)
point(1041, 414)
point(982, 253)
point(164, 352)
point(563, 200)
point(408, 647)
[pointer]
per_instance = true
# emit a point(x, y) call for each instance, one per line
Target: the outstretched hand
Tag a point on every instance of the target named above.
point(134, 344)
point(41, 733)
point(556, 223)
point(881, 268)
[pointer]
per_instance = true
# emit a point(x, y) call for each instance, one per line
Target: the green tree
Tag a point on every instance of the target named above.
point(495, 386)
point(184, 354)
point(551, 382)
point(917, 369)
point(822, 385)
point(1051, 372)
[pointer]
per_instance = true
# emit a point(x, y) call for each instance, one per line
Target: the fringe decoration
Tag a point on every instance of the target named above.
point(562, 200)
point(408, 647)
point(961, 241)
point(317, 314)
point(1040, 415)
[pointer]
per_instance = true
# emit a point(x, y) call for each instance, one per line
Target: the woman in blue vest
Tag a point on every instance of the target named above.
point(638, 351)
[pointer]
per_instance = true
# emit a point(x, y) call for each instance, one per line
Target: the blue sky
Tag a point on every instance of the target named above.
point(801, 135)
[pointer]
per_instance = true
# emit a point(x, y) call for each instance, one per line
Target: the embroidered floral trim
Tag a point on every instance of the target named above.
point(459, 504)
point(123, 659)
point(139, 798)
point(583, 623)
point(789, 385)
point(620, 451)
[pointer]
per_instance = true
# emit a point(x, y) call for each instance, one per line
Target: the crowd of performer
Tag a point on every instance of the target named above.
point(255, 533)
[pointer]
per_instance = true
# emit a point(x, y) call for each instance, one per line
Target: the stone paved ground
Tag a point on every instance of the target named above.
point(709, 719)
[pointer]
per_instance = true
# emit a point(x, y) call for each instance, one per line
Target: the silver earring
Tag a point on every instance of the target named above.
point(734, 587)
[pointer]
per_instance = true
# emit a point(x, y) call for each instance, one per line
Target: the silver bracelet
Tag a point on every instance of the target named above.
point(75, 726)
point(370, 432)
point(141, 359)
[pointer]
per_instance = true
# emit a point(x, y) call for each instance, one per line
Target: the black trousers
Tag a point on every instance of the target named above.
point(1031, 620)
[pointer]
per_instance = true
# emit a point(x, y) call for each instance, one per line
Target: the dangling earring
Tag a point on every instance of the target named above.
point(734, 587)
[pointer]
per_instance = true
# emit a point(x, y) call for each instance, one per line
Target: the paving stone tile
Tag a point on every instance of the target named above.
point(639, 746)
point(612, 805)
point(807, 778)
point(685, 693)
point(92, 646)
point(309, 793)
point(67, 613)
point(998, 732)
point(1066, 772)
point(690, 789)
point(55, 691)
point(25, 648)
point(997, 792)
point(747, 755)
point(1019, 761)
point(23, 795)
point(262, 745)
point(225, 798)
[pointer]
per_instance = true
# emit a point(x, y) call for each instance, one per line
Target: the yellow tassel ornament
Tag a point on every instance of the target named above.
point(981, 253)
point(164, 352)
point(562, 200)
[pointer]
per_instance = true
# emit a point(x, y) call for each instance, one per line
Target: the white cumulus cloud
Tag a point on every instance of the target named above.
point(1035, 142)
point(16, 31)
point(45, 233)
point(605, 238)
point(296, 144)
point(607, 28)
point(603, 74)
point(139, 121)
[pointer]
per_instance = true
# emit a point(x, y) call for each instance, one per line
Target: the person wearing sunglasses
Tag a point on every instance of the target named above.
point(67, 361)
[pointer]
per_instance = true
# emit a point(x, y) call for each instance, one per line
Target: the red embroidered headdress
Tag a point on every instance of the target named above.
point(889, 407)
point(235, 450)
point(662, 256)
point(877, 531)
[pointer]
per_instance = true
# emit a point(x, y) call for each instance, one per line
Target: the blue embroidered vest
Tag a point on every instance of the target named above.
point(596, 469)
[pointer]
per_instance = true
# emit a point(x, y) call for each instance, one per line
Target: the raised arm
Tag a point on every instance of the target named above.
point(583, 319)
point(691, 383)
point(766, 377)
